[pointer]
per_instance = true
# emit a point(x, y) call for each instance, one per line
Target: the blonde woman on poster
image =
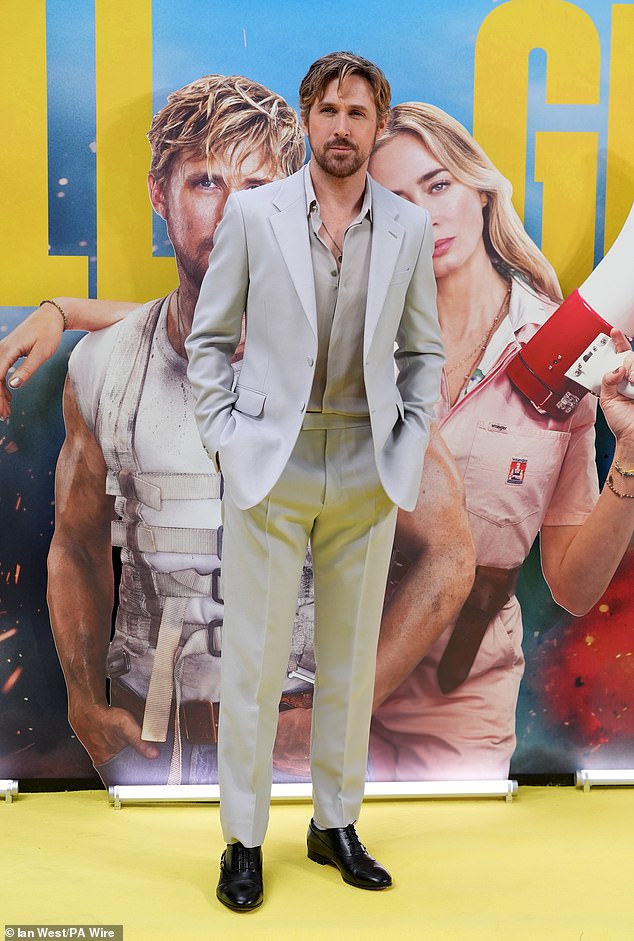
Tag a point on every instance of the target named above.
point(524, 473)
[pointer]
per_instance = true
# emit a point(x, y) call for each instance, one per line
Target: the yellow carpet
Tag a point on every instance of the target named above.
point(554, 864)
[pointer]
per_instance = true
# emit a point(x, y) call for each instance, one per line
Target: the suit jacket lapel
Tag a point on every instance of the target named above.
point(289, 223)
point(387, 237)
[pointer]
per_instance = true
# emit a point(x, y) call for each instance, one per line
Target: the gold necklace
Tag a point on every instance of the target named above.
point(482, 343)
point(180, 334)
point(481, 348)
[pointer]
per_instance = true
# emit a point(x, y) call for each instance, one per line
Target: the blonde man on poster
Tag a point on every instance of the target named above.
point(132, 467)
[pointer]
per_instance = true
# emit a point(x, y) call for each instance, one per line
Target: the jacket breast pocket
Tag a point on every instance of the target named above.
point(249, 402)
point(511, 473)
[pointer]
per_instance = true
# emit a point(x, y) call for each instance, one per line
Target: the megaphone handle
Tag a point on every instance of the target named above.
point(598, 359)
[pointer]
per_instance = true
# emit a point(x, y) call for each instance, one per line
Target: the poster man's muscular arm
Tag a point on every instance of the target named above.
point(435, 545)
point(81, 591)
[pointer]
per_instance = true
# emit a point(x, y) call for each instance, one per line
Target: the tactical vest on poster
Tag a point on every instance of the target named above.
point(152, 604)
point(151, 616)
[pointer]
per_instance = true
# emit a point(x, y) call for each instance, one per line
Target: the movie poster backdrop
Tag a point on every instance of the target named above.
point(545, 87)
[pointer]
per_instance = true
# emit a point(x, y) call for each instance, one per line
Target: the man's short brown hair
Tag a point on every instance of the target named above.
point(339, 65)
point(214, 115)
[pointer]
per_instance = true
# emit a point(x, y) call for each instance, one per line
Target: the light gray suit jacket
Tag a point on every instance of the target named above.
point(261, 264)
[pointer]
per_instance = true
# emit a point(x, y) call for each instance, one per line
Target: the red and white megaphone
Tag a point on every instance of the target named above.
point(572, 351)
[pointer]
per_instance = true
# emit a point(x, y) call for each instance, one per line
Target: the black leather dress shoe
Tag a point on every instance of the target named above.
point(240, 883)
point(341, 847)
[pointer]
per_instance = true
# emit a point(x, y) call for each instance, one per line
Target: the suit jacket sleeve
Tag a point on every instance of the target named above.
point(217, 328)
point(420, 356)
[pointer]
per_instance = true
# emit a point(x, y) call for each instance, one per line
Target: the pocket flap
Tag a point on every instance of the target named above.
point(249, 402)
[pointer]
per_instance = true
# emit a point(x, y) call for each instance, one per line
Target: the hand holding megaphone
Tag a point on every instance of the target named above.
point(598, 359)
point(570, 354)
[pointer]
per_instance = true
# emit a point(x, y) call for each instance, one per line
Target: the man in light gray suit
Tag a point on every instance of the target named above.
point(321, 439)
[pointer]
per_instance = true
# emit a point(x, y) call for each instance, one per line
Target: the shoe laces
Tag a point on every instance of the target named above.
point(244, 858)
point(352, 838)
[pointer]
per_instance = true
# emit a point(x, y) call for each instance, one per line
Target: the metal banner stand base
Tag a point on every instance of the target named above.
point(605, 778)
point(375, 790)
point(8, 789)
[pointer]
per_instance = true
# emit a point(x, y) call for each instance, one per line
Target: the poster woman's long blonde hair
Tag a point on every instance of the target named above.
point(510, 249)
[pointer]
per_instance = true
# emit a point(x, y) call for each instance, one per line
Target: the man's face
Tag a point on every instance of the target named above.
point(343, 126)
point(192, 201)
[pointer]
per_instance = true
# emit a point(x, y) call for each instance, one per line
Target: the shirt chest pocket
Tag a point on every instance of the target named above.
point(511, 473)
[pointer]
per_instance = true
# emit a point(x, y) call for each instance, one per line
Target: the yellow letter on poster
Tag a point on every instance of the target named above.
point(27, 272)
point(566, 163)
point(125, 266)
point(506, 39)
point(620, 162)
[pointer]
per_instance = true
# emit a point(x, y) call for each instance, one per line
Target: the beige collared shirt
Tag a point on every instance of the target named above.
point(341, 294)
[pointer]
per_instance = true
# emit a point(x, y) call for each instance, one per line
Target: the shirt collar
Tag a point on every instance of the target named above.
point(312, 205)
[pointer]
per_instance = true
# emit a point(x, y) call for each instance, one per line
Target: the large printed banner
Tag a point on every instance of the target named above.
point(545, 87)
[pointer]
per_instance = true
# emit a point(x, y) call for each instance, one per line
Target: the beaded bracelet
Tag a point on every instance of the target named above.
point(55, 304)
point(622, 471)
point(610, 483)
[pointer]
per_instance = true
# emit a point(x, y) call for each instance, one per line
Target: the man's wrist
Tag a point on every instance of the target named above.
point(78, 707)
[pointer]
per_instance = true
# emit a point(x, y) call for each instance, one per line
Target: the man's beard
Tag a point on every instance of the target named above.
point(340, 165)
point(193, 268)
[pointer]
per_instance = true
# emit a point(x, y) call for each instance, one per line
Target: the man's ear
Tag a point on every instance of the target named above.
point(157, 195)
point(380, 128)
point(304, 122)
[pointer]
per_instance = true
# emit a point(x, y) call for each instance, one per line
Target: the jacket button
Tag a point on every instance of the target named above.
point(310, 360)
point(302, 406)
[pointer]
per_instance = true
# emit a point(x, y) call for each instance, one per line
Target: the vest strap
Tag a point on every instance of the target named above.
point(141, 537)
point(152, 488)
point(161, 688)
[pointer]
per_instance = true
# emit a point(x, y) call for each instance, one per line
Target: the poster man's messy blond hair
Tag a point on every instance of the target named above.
point(218, 116)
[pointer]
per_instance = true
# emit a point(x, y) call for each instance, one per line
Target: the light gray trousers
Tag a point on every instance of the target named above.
point(329, 493)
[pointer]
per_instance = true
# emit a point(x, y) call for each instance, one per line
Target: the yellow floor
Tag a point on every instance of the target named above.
point(554, 864)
